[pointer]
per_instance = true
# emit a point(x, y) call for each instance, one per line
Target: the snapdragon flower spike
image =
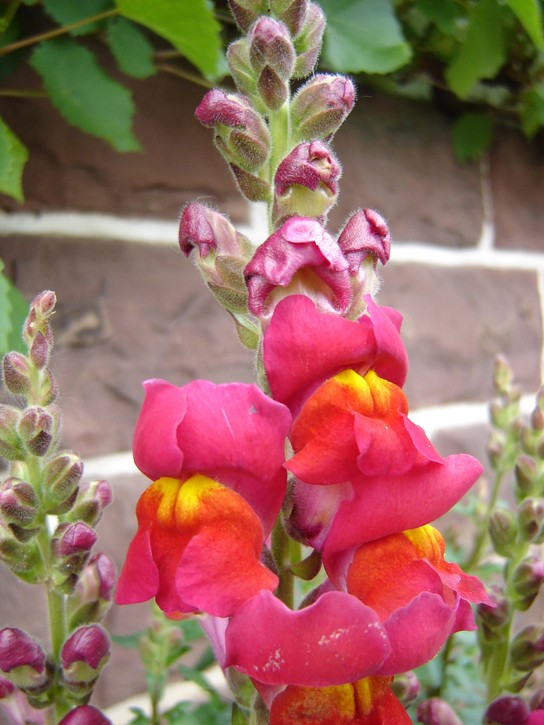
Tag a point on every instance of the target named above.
point(216, 454)
point(369, 701)
point(419, 597)
point(300, 256)
point(306, 182)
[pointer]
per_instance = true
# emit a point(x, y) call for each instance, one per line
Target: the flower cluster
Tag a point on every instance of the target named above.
point(323, 457)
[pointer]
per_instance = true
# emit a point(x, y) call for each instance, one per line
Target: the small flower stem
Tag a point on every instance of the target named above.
point(279, 123)
point(281, 553)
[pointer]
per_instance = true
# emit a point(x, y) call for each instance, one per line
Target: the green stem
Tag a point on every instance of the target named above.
point(279, 123)
point(281, 554)
point(34, 39)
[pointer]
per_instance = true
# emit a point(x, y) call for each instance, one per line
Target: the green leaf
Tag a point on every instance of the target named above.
point(66, 12)
point(131, 49)
point(482, 53)
point(472, 135)
point(363, 36)
point(529, 14)
point(131, 641)
point(190, 26)
point(532, 109)
point(13, 157)
point(444, 14)
point(13, 312)
point(83, 93)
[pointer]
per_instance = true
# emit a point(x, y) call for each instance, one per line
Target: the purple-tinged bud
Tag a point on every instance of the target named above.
point(252, 187)
point(40, 351)
point(11, 446)
point(531, 519)
point(300, 257)
point(436, 712)
point(23, 659)
point(22, 557)
point(308, 42)
point(290, 12)
point(306, 182)
point(527, 648)
point(507, 710)
point(270, 46)
point(36, 429)
point(85, 715)
point(84, 655)
point(526, 476)
point(243, 74)
point(6, 688)
point(321, 105)
point(61, 476)
point(93, 592)
point(241, 135)
point(495, 615)
point(48, 387)
point(246, 12)
point(365, 234)
point(70, 539)
point(41, 309)
point(18, 502)
point(527, 580)
point(91, 500)
point(503, 531)
point(406, 687)
point(17, 373)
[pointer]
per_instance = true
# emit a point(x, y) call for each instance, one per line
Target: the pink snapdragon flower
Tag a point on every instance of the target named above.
point(215, 453)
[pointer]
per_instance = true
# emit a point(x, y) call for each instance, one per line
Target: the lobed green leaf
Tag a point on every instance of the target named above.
point(66, 12)
point(131, 49)
point(83, 94)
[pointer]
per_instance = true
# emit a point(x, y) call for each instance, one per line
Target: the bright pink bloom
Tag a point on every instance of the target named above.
point(217, 454)
point(300, 256)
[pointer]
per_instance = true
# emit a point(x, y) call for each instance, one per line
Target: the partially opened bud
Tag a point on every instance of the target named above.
point(241, 135)
point(246, 12)
point(321, 105)
point(308, 42)
point(23, 659)
point(436, 712)
point(506, 710)
point(36, 429)
point(17, 373)
point(83, 656)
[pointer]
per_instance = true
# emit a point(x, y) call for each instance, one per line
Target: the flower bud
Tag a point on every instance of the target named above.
point(85, 715)
point(272, 57)
point(495, 615)
point(17, 373)
point(71, 539)
point(23, 659)
point(243, 74)
point(252, 187)
point(308, 42)
point(241, 135)
point(22, 557)
point(11, 447)
point(18, 502)
point(40, 351)
point(527, 648)
point(61, 476)
point(503, 375)
point(48, 387)
point(365, 234)
point(502, 531)
point(306, 182)
point(41, 309)
point(531, 519)
point(321, 105)
point(436, 712)
point(526, 476)
point(91, 500)
point(406, 687)
point(527, 438)
point(527, 580)
point(506, 710)
point(83, 656)
point(36, 427)
point(6, 688)
point(246, 12)
point(93, 592)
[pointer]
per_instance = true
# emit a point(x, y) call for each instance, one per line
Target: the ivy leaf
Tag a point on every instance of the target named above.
point(66, 12)
point(190, 26)
point(83, 93)
point(363, 36)
point(483, 50)
point(13, 157)
point(532, 109)
point(472, 135)
point(13, 311)
point(529, 14)
point(131, 49)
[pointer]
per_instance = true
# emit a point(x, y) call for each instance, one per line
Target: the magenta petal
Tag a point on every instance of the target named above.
point(384, 505)
point(155, 446)
point(336, 640)
point(417, 632)
point(139, 577)
point(391, 358)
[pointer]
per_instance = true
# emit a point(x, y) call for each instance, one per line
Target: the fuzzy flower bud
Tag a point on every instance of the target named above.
point(23, 659)
point(308, 41)
point(503, 531)
point(503, 375)
point(527, 580)
point(306, 182)
point(91, 500)
point(365, 235)
point(272, 57)
point(321, 105)
point(70, 539)
point(290, 12)
point(507, 710)
point(436, 712)
point(11, 446)
point(526, 476)
point(93, 592)
point(531, 519)
point(18, 502)
point(40, 351)
point(36, 428)
point(243, 74)
point(241, 135)
point(527, 648)
point(41, 309)
point(17, 373)
point(246, 12)
point(406, 687)
point(61, 476)
point(20, 554)
point(495, 615)
point(85, 715)
point(83, 656)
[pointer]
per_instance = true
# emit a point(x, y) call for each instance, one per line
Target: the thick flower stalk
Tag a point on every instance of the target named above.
point(320, 475)
point(47, 520)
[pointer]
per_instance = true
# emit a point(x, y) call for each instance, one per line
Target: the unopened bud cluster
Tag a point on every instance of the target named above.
point(47, 520)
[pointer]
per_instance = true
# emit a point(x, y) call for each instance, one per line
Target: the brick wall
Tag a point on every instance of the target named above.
point(466, 270)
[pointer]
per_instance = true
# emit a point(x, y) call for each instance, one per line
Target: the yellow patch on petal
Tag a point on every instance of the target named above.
point(428, 542)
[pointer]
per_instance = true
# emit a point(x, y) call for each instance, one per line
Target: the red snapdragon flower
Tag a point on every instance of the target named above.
point(215, 453)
